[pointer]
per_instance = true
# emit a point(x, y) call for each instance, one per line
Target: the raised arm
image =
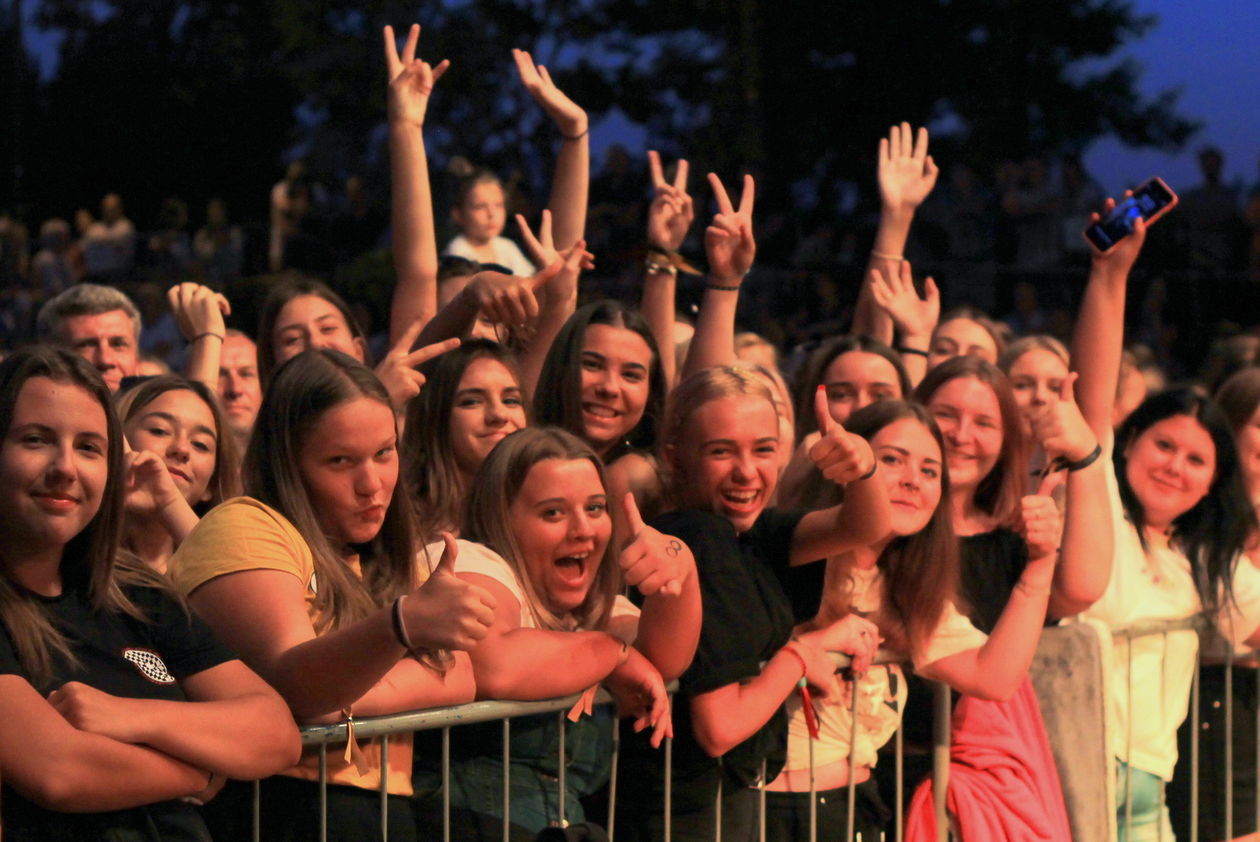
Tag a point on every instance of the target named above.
point(199, 313)
point(505, 299)
point(730, 247)
point(571, 183)
point(907, 175)
point(1099, 338)
point(865, 515)
point(1085, 551)
point(669, 218)
point(411, 83)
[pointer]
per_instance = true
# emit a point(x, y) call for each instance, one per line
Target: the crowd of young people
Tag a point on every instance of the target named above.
point(525, 499)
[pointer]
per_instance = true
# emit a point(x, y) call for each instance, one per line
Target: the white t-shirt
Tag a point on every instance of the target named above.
point(506, 253)
point(881, 692)
point(1158, 585)
point(478, 558)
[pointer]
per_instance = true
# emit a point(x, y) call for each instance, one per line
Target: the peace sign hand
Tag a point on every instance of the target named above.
point(568, 116)
point(671, 212)
point(907, 172)
point(841, 456)
point(728, 241)
point(410, 81)
point(397, 370)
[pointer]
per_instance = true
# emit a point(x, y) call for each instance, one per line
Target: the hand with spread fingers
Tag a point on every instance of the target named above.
point(841, 456)
point(907, 172)
point(564, 285)
point(728, 241)
point(914, 317)
point(671, 213)
point(411, 80)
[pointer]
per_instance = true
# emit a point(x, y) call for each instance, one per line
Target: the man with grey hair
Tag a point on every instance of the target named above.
point(98, 323)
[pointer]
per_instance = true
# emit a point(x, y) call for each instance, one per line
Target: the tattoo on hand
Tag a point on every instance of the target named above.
point(673, 548)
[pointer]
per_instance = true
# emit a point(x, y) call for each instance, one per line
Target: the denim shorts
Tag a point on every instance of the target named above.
point(1147, 820)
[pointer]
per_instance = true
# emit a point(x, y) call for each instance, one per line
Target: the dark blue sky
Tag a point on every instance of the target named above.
point(1209, 49)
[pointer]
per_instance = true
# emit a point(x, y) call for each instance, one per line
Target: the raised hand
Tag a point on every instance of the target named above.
point(397, 370)
point(543, 250)
point(568, 116)
point(1121, 257)
point(914, 316)
point(840, 455)
point(650, 560)
point(728, 241)
point(198, 310)
point(671, 212)
point(411, 81)
point(640, 693)
point(1040, 523)
point(446, 612)
point(907, 172)
point(1061, 429)
point(509, 299)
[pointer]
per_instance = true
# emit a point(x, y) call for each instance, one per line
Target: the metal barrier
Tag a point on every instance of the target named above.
point(1198, 624)
point(444, 719)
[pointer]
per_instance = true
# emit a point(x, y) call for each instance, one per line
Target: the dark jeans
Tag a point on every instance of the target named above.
point(739, 822)
point(290, 813)
point(787, 814)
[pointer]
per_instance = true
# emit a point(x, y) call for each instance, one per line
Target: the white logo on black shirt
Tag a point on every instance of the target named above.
point(150, 665)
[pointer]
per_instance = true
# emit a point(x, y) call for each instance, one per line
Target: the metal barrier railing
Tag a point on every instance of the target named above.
point(1198, 624)
point(444, 719)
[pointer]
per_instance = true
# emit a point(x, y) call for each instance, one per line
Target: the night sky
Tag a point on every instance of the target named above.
point(1209, 49)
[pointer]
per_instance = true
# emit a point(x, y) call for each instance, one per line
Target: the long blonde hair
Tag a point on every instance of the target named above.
point(487, 520)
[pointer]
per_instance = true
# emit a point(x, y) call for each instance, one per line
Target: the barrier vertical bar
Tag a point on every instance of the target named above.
point(717, 826)
point(1256, 758)
point(899, 781)
point(1229, 739)
point(612, 780)
point(1163, 663)
point(560, 776)
point(1128, 741)
point(446, 784)
point(852, 788)
point(1195, 718)
point(257, 822)
point(507, 778)
point(669, 783)
point(323, 792)
point(761, 802)
point(384, 788)
point(940, 758)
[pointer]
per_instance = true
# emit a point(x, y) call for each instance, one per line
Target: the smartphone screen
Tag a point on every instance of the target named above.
point(1148, 202)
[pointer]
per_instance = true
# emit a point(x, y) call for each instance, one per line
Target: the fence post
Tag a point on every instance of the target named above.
point(507, 778)
point(899, 782)
point(940, 759)
point(446, 784)
point(1195, 717)
point(560, 775)
point(323, 792)
point(384, 738)
point(612, 780)
point(1229, 739)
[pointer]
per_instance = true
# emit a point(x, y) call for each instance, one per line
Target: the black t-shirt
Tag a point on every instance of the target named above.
point(122, 656)
point(747, 618)
point(992, 563)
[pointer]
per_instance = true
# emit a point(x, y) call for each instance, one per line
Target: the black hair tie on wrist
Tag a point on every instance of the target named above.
point(1084, 462)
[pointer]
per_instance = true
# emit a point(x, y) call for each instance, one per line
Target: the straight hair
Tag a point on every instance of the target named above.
point(276, 299)
point(811, 375)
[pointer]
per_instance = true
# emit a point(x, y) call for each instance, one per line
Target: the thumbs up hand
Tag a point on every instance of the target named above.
point(446, 612)
point(651, 561)
point(840, 455)
point(1061, 429)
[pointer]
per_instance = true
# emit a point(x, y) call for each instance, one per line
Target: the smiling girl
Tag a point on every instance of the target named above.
point(312, 579)
point(180, 421)
point(114, 702)
point(1181, 520)
point(721, 442)
point(539, 540)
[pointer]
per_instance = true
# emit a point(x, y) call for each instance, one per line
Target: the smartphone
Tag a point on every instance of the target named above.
point(1150, 201)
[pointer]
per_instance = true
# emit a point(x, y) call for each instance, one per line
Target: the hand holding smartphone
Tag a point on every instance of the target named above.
point(1150, 201)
